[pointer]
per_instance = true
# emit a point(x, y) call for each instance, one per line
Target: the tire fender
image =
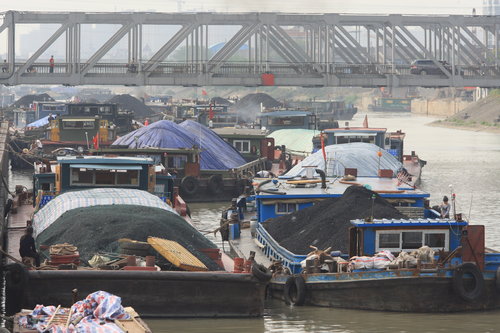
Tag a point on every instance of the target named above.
point(459, 286)
point(241, 186)
point(261, 273)
point(215, 184)
point(295, 290)
point(16, 280)
point(497, 280)
point(189, 185)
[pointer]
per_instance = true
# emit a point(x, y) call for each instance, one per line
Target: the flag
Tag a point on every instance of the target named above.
point(365, 122)
point(210, 112)
point(204, 92)
point(322, 138)
point(95, 141)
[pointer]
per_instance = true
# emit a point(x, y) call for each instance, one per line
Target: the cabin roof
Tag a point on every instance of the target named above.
point(377, 223)
point(355, 129)
point(103, 160)
point(290, 113)
point(239, 132)
point(387, 187)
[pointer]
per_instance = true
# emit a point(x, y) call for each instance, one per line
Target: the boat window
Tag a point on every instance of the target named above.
point(104, 177)
point(78, 124)
point(177, 162)
point(82, 176)
point(243, 146)
point(285, 208)
point(405, 240)
point(127, 178)
point(390, 241)
point(412, 240)
point(435, 240)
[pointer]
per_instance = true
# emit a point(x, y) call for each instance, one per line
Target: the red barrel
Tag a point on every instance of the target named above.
point(238, 265)
point(150, 261)
point(247, 266)
point(131, 261)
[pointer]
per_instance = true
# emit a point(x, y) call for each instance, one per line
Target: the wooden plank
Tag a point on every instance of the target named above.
point(176, 254)
point(305, 181)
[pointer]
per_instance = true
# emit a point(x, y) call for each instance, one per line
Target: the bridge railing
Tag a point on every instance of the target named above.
point(236, 68)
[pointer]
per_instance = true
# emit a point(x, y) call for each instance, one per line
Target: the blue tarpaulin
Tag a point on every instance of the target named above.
point(40, 122)
point(216, 153)
point(161, 134)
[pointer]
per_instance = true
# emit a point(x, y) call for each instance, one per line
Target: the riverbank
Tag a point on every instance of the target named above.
point(468, 126)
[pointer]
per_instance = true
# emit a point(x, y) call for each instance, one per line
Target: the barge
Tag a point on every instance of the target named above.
point(462, 277)
point(81, 185)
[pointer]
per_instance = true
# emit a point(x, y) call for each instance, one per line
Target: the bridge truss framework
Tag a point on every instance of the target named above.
point(310, 50)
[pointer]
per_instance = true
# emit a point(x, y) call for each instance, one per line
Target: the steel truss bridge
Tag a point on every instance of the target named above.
point(309, 50)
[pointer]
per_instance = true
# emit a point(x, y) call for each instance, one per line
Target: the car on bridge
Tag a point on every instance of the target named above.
point(429, 66)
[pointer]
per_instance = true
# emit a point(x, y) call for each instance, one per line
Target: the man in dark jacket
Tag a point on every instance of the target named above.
point(27, 246)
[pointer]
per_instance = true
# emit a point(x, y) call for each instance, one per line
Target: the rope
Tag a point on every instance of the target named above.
point(7, 186)
point(20, 155)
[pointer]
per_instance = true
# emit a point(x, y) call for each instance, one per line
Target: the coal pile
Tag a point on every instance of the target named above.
point(220, 101)
point(98, 228)
point(253, 100)
point(130, 103)
point(327, 223)
point(26, 100)
point(249, 106)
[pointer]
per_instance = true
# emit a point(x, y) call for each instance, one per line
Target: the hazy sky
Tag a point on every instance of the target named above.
point(305, 6)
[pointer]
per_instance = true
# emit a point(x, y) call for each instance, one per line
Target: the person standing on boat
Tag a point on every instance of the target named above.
point(444, 208)
point(27, 246)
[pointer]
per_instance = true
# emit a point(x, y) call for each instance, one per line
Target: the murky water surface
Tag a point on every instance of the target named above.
point(464, 162)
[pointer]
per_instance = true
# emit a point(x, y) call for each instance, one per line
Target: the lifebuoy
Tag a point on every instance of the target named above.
point(295, 290)
point(215, 184)
point(261, 272)
point(189, 185)
point(478, 286)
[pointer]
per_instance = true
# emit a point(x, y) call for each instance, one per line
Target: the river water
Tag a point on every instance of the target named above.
point(463, 162)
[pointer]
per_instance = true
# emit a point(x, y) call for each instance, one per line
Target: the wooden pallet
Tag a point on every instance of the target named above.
point(177, 254)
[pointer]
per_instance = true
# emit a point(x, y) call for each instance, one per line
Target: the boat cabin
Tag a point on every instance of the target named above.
point(121, 119)
point(23, 117)
point(80, 130)
point(179, 162)
point(366, 238)
point(390, 141)
point(288, 119)
point(327, 112)
point(252, 143)
point(391, 104)
point(44, 109)
point(71, 173)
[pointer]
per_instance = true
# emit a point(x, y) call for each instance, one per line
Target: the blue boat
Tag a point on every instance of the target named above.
point(458, 272)
point(464, 276)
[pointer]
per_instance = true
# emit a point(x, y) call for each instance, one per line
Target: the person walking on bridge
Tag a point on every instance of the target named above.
point(51, 64)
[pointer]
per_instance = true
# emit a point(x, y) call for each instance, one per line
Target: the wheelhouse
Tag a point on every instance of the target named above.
point(370, 237)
